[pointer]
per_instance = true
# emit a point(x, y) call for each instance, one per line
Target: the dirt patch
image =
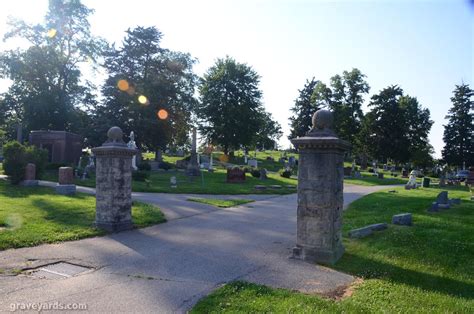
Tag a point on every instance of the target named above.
point(343, 292)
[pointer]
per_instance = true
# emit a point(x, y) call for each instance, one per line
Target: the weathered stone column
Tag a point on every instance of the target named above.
point(114, 183)
point(320, 192)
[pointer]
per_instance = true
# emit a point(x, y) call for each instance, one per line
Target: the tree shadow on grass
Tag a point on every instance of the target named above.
point(371, 269)
point(71, 216)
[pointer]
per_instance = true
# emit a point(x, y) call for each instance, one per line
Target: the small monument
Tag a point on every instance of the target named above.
point(114, 183)
point(235, 175)
point(193, 165)
point(132, 145)
point(30, 176)
point(263, 174)
point(173, 182)
point(65, 184)
point(411, 181)
point(320, 192)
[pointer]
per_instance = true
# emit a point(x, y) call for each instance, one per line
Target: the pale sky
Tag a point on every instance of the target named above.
point(426, 47)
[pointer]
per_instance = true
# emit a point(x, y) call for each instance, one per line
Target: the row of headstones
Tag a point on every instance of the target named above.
point(65, 184)
point(405, 219)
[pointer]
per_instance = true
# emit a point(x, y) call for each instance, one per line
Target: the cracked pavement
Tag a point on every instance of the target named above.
point(169, 267)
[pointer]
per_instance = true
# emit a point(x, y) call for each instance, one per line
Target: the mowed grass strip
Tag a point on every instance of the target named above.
point(208, 183)
point(219, 202)
point(31, 216)
point(426, 268)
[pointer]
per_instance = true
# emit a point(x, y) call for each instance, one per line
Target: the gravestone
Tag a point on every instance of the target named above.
point(320, 192)
point(65, 184)
point(252, 163)
point(404, 173)
point(132, 145)
point(263, 174)
point(173, 182)
point(442, 200)
point(402, 219)
point(367, 230)
point(235, 175)
point(30, 176)
point(114, 183)
point(292, 161)
point(192, 168)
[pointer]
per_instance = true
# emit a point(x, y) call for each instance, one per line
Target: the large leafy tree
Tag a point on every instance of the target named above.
point(347, 97)
point(230, 112)
point(144, 78)
point(459, 132)
point(269, 133)
point(47, 90)
point(396, 127)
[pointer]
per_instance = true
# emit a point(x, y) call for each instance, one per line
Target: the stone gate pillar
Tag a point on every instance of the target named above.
point(320, 192)
point(114, 183)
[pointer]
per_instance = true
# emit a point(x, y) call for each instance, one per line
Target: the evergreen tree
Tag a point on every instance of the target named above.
point(458, 133)
point(305, 106)
point(144, 79)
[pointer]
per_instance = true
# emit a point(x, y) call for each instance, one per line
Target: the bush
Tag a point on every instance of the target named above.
point(255, 173)
point(140, 175)
point(144, 166)
point(37, 156)
point(286, 173)
point(14, 162)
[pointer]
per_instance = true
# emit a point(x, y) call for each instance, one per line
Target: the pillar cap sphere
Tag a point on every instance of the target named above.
point(323, 119)
point(115, 134)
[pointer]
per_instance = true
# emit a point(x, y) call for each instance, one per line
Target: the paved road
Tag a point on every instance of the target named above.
point(169, 267)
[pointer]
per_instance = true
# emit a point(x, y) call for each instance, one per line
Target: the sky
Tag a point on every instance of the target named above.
point(425, 47)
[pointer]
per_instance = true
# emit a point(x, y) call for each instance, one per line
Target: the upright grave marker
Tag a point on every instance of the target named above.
point(320, 192)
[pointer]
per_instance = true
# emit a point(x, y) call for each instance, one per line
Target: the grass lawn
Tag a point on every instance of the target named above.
point(220, 203)
point(369, 179)
point(209, 183)
point(32, 216)
point(426, 268)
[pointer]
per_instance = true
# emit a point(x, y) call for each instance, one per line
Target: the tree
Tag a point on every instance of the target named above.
point(307, 103)
point(458, 133)
point(145, 78)
point(47, 92)
point(346, 101)
point(396, 127)
point(230, 112)
point(269, 133)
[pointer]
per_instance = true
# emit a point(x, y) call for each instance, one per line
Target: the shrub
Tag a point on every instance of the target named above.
point(37, 156)
point(255, 173)
point(286, 173)
point(140, 175)
point(14, 162)
point(144, 166)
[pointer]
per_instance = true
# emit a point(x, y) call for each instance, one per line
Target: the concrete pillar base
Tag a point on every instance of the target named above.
point(318, 255)
point(114, 227)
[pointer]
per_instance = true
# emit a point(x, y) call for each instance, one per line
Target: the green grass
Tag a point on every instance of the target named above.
point(220, 203)
point(209, 183)
point(368, 179)
point(426, 268)
point(38, 215)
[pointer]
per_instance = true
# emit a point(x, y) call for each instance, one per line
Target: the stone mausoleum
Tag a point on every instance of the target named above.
point(62, 146)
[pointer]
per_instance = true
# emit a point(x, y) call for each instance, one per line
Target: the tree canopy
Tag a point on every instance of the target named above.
point(48, 91)
point(459, 132)
point(230, 112)
point(149, 90)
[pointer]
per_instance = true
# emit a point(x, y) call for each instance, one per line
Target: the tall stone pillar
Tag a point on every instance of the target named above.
point(114, 183)
point(320, 192)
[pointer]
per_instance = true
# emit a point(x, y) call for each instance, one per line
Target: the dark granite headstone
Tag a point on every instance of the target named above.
point(347, 171)
point(442, 198)
point(235, 175)
point(402, 219)
point(263, 174)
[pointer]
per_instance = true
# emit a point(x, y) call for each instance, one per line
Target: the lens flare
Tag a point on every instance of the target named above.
point(51, 33)
point(162, 114)
point(123, 85)
point(142, 99)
